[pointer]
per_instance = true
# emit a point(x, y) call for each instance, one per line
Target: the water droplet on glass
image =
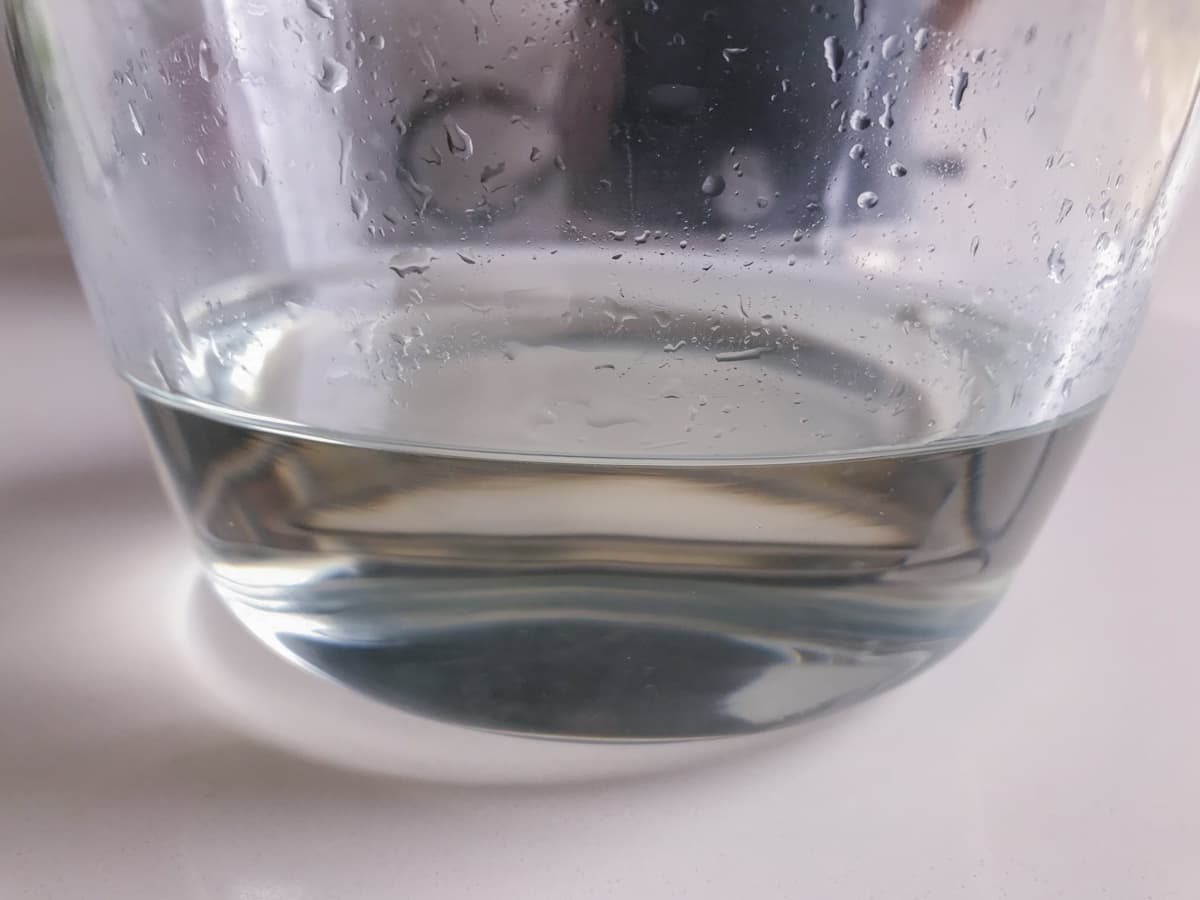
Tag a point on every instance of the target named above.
point(535, 154)
point(293, 29)
point(1056, 265)
point(404, 265)
point(921, 39)
point(742, 355)
point(359, 203)
point(834, 56)
point(893, 46)
point(560, 164)
point(897, 170)
point(868, 200)
point(377, 41)
point(490, 172)
point(427, 58)
point(205, 62)
point(423, 193)
point(334, 77)
point(258, 171)
point(322, 8)
point(136, 120)
point(683, 245)
point(1065, 210)
point(858, 151)
point(731, 53)
point(345, 148)
point(713, 185)
point(859, 120)
point(457, 139)
point(887, 120)
point(859, 11)
point(617, 235)
point(798, 235)
point(975, 245)
point(958, 87)
point(467, 259)
point(641, 238)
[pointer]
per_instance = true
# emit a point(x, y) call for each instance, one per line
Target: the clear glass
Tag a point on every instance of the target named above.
point(629, 371)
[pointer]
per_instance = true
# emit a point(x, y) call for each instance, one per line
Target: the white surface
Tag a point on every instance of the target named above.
point(1057, 755)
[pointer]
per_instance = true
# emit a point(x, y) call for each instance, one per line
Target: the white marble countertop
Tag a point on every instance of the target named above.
point(1056, 755)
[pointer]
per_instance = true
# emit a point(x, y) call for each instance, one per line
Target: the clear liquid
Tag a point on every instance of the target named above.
point(592, 518)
